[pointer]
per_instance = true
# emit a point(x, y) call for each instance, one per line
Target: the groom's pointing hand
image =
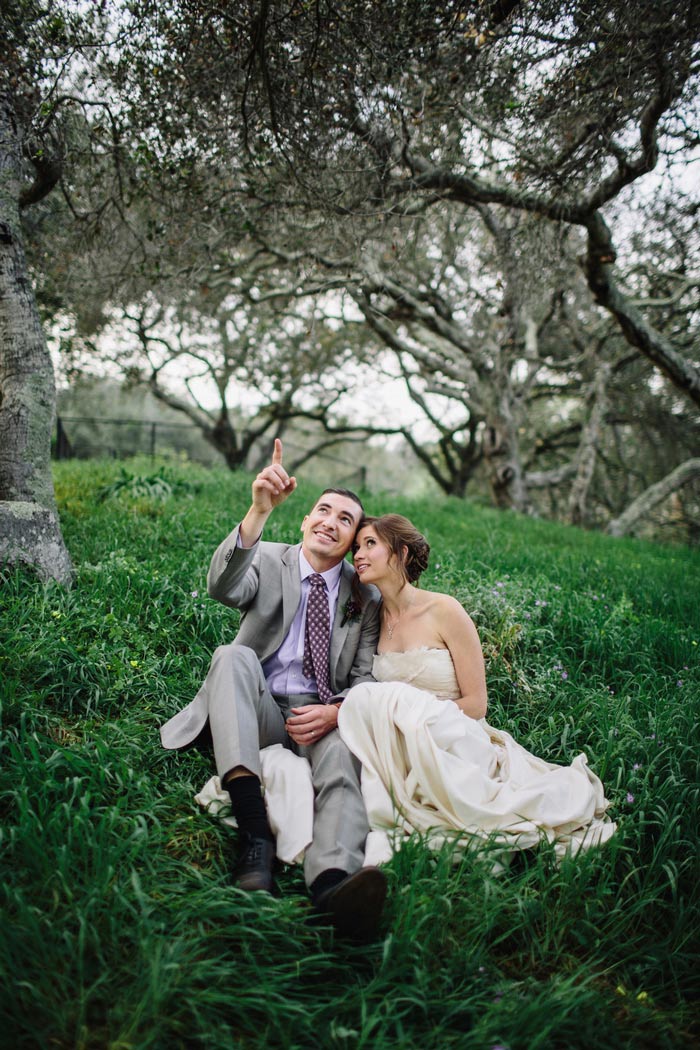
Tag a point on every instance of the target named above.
point(270, 488)
point(273, 484)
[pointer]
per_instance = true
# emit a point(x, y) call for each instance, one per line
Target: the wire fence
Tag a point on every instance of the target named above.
point(92, 437)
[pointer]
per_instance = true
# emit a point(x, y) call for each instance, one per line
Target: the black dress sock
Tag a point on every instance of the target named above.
point(325, 881)
point(248, 807)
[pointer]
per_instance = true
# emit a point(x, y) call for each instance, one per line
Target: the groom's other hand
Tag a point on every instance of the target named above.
point(309, 723)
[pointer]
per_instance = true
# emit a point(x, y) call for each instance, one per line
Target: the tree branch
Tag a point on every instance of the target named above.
point(654, 495)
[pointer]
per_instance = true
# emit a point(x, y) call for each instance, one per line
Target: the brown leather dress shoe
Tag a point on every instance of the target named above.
point(254, 868)
point(354, 905)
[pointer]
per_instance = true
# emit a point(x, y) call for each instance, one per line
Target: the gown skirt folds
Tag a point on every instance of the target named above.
point(429, 768)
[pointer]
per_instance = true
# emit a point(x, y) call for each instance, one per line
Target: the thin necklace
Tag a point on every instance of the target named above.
point(391, 627)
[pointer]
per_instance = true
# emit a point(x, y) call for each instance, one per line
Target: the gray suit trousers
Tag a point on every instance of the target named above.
point(244, 717)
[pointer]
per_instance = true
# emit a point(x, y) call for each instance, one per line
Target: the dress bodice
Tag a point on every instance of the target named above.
point(424, 668)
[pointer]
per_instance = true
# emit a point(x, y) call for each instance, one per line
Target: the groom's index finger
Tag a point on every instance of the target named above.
point(277, 452)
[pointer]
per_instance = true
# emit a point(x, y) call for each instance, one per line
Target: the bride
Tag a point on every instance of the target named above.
point(430, 761)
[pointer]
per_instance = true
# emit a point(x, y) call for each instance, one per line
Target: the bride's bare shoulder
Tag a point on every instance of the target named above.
point(448, 609)
point(441, 604)
point(439, 598)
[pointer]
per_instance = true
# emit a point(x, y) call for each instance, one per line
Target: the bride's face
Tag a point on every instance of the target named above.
point(373, 559)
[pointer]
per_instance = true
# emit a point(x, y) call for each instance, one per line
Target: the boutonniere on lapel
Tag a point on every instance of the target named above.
point(351, 612)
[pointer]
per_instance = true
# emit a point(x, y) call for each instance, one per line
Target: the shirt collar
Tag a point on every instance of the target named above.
point(330, 576)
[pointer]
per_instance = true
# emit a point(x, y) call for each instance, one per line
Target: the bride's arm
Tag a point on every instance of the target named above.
point(461, 638)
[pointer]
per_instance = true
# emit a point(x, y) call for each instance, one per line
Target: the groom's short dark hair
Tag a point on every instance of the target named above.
point(343, 492)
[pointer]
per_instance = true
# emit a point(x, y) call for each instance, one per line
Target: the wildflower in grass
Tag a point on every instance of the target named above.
point(679, 683)
point(630, 797)
point(564, 675)
point(636, 766)
point(134, 663)
point(642, 997)
point(56, 614)
point(195, 594)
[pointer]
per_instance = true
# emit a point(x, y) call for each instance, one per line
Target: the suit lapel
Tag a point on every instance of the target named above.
point(291, 588)
point(340, 633)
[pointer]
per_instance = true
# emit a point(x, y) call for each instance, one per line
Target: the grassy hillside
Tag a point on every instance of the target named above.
point(120, 928)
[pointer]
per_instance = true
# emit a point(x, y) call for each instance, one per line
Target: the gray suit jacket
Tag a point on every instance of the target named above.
point(264, 583)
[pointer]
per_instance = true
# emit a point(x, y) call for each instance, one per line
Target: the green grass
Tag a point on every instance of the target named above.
point(120, 928)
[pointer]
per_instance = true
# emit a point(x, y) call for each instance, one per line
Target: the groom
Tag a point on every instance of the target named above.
point(302, 643)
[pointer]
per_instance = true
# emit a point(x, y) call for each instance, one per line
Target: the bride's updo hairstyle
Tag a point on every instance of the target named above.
point(403, 539)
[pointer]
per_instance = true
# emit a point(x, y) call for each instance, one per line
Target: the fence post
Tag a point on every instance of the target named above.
point(63, 447)
point(153, 440)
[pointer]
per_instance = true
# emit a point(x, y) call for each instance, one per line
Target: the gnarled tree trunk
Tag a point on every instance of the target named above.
point(501, 448)
point(30, 532)
point(588, 447)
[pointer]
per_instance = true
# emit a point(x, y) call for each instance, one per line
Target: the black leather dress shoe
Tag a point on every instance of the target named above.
point(354, 906)
point(254, 868)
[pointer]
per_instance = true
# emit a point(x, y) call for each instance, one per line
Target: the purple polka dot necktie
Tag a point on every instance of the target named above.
point(317, 636)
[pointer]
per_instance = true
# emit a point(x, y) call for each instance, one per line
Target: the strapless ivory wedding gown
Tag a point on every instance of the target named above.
point(429, 768)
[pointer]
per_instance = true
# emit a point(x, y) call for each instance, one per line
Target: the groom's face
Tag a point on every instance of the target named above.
point(329, 529)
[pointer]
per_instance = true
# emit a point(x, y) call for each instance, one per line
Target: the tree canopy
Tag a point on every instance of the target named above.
point(494, 196)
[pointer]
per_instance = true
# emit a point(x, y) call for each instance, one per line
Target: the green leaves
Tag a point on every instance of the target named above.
point(156, 486)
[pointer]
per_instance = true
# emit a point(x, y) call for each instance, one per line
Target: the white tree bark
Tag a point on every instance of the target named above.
point(30, 532)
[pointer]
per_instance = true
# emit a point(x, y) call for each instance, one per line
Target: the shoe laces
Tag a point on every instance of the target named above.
point(254, 852)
